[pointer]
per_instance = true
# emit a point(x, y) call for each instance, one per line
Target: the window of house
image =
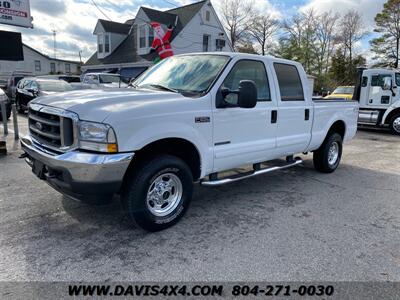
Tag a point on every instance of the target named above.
point(67, 68)
point(208, 15)
point(142, 36)
point(206, 43)
point(38, 67)
point(248, 70)
point(151, 36)
point(100, 43)
point(107, 43)
point(53, 67)
point(289, 81)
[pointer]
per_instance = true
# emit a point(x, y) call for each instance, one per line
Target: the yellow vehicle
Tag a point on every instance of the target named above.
point(345, 92)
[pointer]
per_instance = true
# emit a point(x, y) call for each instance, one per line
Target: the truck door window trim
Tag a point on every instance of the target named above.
point(269, 99)
point(287, 98)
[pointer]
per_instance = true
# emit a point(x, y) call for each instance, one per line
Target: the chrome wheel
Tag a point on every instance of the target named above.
point(164, 194)
point(333, 153)
point(396, 124)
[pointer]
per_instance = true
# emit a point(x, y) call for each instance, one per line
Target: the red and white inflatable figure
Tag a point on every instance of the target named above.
point(161, 42)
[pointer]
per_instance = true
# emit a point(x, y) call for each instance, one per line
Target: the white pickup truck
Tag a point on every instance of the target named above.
point(188, 119)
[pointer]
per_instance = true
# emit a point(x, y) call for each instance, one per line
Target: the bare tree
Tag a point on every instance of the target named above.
point(236, 16)
point(325, 35)
point(352, 31)
point(262, 29)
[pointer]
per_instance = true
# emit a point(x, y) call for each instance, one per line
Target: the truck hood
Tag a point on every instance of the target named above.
point(97, 105)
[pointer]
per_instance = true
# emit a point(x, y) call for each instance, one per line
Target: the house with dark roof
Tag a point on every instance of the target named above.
point(124, 48)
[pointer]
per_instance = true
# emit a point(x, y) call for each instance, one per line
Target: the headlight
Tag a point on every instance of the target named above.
point(97, 137)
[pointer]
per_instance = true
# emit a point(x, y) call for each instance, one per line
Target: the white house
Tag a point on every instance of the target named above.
point(124, 47)
point(37, 63)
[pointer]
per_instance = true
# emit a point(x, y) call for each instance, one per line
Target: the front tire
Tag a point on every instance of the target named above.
point(395, 124)
point(157, 192)
point(327, 157)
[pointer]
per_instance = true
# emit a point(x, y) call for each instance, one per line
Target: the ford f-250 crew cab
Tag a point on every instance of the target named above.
point(187, 119)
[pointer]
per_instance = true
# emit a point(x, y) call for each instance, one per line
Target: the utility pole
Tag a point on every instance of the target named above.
point(55, 43)
point(80, 56)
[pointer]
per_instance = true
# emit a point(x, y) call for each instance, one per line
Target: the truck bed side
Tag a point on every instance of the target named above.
point(327, 113)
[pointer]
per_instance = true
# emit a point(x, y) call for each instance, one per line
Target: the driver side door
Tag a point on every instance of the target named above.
point(244, 135)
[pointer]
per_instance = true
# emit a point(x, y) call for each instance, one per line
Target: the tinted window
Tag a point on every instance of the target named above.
point(290, 84)
point(364, 81)
point(248, 70)
point(398, 79)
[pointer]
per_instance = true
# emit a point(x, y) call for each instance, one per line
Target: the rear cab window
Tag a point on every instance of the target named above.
point(290, 85)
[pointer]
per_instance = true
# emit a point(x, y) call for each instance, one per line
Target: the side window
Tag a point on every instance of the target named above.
point(95, 78)
point(364, 82)
point(87, 79)
point(289, 81)
point(397, 79)
point(247, 70)
point(378, 80)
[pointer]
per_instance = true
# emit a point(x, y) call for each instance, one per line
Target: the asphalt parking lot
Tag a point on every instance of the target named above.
point(295, 224)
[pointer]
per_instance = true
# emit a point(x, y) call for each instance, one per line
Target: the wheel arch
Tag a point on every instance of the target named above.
point(390, 115)
point(339, 127)
point(179, 147)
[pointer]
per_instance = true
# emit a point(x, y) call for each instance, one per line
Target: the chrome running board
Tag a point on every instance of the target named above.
point(235, 178)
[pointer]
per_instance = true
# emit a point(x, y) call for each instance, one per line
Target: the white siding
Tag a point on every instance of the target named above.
point(190, 39)
point(28, 64)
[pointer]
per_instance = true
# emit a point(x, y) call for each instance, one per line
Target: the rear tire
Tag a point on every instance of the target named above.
point(327, 157)
point(157, 192)
point(395, 124)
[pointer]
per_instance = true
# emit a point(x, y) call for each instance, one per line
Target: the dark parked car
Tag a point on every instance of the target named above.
point(3, 97)
point(30, 88)
point(66, 78)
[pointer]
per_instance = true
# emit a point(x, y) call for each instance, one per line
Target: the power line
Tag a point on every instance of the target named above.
point(170, 3)
point(100, 10)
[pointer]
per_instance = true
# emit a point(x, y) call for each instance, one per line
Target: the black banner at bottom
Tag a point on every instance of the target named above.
point(200, 290)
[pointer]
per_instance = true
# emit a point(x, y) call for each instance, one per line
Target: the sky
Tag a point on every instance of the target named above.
point(74, 20)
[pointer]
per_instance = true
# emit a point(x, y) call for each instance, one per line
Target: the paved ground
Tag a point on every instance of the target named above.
point(291, 225)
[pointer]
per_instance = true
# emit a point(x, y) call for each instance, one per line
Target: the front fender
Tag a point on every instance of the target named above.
point(145, 135)
point(391, 108)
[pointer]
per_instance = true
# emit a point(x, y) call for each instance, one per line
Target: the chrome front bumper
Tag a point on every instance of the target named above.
point(78, 174)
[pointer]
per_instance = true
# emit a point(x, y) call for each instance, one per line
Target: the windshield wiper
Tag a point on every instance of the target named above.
point(162, 87)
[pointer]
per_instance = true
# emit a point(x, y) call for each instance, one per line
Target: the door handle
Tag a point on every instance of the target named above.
point(307, 114)
point(274, 116)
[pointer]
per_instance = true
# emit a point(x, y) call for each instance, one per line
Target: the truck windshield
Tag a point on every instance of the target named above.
point(190, 73)
point(109, 79)
point(55, 86)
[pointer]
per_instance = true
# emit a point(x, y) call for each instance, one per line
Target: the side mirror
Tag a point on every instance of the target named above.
point(33, 91)
point(247, 95)
point(387, 84)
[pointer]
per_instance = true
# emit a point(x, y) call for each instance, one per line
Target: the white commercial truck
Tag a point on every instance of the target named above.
point(379, 97)
point(188, 119)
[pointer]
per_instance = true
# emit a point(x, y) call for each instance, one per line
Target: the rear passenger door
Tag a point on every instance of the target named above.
point(294, 112)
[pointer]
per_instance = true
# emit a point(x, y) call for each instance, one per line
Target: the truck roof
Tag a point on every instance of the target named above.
point(380, 71)
point(244, 56)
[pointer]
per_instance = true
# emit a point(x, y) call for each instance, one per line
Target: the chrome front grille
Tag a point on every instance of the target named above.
point(51, 127)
